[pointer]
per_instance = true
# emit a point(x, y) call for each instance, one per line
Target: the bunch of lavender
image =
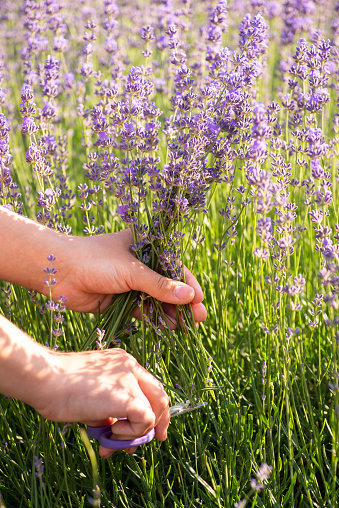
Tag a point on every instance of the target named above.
point(205, 134)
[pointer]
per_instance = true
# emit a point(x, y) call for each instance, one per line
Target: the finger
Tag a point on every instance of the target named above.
point(140, 419)
point(100, 423)
point(158, 398)
point(192, 281)
point(131, 450)
point(198, 310)
point(104, 452)
point(142, 278)
point(160, 434)
point(170, 314)
point(170, 321)
point(162, 425)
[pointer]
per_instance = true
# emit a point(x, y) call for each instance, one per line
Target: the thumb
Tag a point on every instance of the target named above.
point(160, 287)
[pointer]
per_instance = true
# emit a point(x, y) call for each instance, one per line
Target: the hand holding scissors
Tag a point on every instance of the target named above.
point(104, 434)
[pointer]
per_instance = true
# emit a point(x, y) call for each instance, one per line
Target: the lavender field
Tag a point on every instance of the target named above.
point(211, 130)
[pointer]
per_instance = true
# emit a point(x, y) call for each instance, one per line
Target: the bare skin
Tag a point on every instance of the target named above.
point(93, 387)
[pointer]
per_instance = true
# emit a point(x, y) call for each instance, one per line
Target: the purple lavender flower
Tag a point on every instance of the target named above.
point(28, 126)
point(39, 467)
point(297, 18)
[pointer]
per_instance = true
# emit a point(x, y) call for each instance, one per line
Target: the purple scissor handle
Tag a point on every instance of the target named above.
point(104, 434)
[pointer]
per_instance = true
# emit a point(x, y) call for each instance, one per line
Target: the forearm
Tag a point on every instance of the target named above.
point(24, 248)
point(25, 365)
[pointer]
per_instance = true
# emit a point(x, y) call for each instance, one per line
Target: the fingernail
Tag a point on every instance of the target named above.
point(184, 292)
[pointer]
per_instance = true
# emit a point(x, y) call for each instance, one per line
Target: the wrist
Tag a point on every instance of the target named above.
point(58, 245)
point(28, 244)
point(40, 378)
point(50, 243)
point(49, 379)
point(26, 367)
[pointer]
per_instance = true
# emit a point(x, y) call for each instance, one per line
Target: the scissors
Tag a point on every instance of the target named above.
point(104, 434)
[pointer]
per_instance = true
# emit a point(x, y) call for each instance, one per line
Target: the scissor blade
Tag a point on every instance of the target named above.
point(185, 407)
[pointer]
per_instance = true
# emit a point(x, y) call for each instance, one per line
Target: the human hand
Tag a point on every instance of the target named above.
point(97, 387)
point(91, 270)
point(92, 387)
point(94, 269)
